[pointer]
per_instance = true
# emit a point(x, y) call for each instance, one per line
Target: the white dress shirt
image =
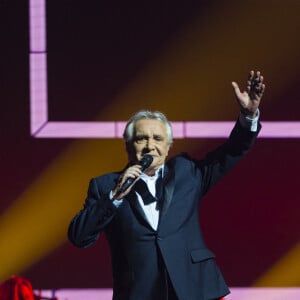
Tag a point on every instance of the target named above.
point(151, 211)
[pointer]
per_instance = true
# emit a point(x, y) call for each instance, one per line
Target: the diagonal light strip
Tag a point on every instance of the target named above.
point(42, 128)
point(287, 265)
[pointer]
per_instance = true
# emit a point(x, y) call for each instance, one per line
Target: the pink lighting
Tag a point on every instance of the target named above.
point(236, 294)
point(78, 130)
point(37, 25)
point(40, 127)
point(38, 91)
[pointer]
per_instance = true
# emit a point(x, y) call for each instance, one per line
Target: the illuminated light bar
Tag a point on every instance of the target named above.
point(37, 25)
point(181, 130)
point(41, 127)
point(242, 293)
point(281, 129)
point(38, 92)
point(208, 129)
point(77, 130)
point(38, 66)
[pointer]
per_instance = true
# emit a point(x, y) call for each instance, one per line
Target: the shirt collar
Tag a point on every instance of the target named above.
point(154, 177)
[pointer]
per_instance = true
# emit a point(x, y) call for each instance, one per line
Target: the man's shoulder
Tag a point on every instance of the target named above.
point(104, 182)
point(107, 176)
point(181, 158)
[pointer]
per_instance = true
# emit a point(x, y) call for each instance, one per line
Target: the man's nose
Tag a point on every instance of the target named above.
point(150, 144)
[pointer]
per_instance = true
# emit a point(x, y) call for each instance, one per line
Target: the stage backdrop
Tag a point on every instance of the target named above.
point(67, 66)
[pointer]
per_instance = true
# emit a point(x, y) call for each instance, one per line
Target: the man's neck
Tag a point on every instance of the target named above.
point(151, 171)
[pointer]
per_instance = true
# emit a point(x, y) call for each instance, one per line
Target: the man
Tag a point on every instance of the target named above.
point(157, 249)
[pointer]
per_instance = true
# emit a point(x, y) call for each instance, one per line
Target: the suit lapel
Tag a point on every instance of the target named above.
point(169, 183)
point(136, 208)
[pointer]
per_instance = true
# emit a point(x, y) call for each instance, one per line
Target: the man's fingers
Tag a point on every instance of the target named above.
point(236, 88)
point(251, 75)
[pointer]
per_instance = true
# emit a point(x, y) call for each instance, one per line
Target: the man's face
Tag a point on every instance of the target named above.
point(150, 138)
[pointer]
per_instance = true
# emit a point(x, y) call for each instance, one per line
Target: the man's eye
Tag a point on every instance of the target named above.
point(140, 138)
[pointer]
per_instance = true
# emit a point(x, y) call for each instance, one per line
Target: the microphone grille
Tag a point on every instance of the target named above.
point(146, 161)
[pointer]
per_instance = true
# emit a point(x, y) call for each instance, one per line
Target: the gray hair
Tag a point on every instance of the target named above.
point(128, 134)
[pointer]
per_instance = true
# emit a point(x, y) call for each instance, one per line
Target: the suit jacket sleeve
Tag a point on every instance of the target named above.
point(97, 212)
point(219, 162)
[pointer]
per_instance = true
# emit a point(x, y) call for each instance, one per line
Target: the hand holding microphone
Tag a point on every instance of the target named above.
point(131, 175)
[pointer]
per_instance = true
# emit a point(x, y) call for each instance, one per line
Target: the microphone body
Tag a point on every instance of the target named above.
point(145, 162)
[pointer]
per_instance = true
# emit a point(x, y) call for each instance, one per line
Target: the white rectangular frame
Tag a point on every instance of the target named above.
point(41, 127)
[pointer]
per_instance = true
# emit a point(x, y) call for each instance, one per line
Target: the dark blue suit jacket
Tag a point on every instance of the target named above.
point(140, 255)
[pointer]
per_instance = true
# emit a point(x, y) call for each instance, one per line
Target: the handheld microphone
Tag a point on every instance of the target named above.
point(145, 162)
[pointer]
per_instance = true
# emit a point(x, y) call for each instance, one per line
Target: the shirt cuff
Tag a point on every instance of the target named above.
point(249, 123)
point(115, 202)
